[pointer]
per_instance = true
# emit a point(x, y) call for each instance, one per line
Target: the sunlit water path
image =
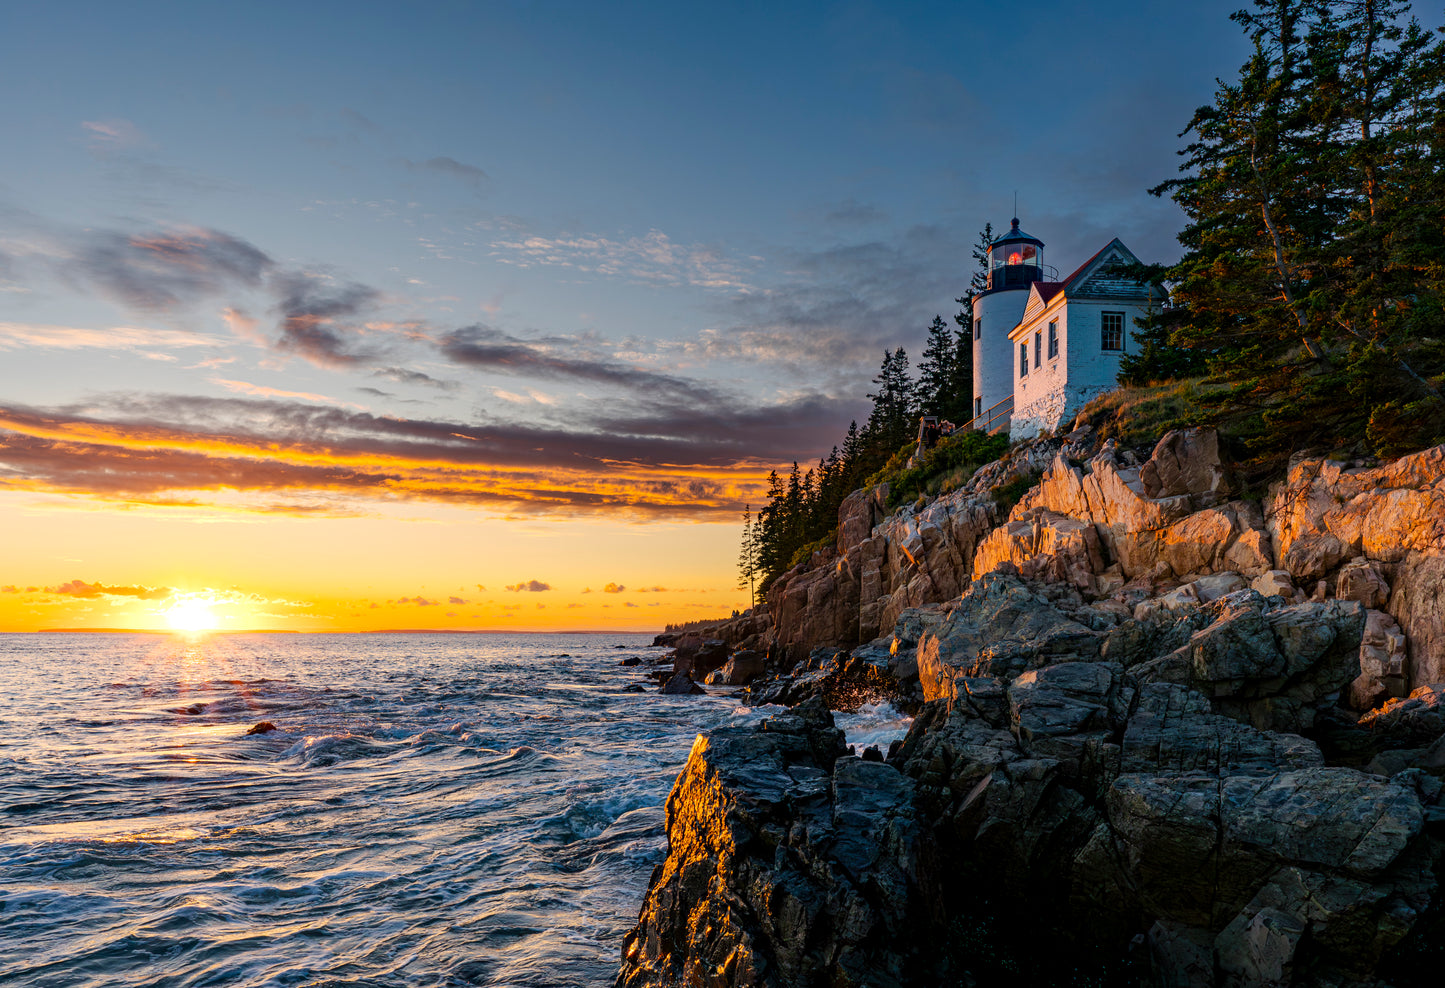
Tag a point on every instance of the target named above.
point(433, 810)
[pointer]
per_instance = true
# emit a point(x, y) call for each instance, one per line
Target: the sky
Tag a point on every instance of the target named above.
point(357, 316)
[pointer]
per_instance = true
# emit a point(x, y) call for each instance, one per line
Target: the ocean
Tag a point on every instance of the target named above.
point(433, 809)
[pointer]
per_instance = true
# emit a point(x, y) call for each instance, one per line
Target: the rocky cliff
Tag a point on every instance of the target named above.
point(1118, 527)
point(1179, 736)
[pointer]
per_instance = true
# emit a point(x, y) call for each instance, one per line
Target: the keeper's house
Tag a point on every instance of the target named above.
point(1052, 345)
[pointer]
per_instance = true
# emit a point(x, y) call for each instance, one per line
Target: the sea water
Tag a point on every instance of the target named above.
point(432, 809)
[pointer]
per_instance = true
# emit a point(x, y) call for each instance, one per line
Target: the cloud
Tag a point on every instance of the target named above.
point(531, 586)
point(9, 588)
point(316, 318)
point(156, 271)
point(650, 259)
point(652, 590)
point(402, 375)
point(483, 348)
point(418, 600)
point(262, 391)
point(79, 588)
point(171, 449)
point(14, 335)
point(613, 588)
point(469, 175)
point(113, 133)
point(455, 600)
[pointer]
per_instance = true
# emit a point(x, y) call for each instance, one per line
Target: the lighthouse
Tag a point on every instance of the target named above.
point(1015, 263)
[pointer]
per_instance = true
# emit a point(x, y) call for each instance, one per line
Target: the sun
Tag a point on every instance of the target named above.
point(191, 616)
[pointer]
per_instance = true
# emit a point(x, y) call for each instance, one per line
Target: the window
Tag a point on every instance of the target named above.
point(978, 329)
point(1038, 349)
point(977, 407)
point(1023, 360)
point(1053, 338)
point(1113, 331)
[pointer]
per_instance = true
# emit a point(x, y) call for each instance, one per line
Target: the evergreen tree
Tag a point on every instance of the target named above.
point(748, 558)
point(935, 370)
point(891, 423)
point(1313, 253)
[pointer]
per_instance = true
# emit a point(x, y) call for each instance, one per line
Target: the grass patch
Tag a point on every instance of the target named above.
point(940, 469)
point(1136, 417)
point(804, 552)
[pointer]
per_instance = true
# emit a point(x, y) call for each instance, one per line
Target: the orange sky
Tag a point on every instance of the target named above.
point(77, 563)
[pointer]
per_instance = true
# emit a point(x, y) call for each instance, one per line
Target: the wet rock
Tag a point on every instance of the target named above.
point(681, 684)
point(787, 865)
point(741, 668)
point(265, 727)
point(634, 688)
point(631, 660)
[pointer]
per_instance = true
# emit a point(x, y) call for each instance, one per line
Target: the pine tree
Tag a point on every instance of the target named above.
point(935, 370)
point(891, 423)
point(748, 558)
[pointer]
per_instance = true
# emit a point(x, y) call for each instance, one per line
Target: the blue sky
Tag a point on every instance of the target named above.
point(672, 236)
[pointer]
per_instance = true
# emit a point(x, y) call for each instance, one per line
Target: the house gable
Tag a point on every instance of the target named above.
point(1097, 279)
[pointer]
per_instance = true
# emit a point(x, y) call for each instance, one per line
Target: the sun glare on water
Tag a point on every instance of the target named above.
point(191, 616)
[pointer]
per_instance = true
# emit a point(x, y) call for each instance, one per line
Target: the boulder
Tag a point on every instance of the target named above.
point(681, 684)
point(1413, 722)
point(789, 863)
point(741, 668)
point(1000, 627)
point(1275, 583)
point(1359, 580)
point(1382, 663)
point(1275, 668)
point(1187, 461)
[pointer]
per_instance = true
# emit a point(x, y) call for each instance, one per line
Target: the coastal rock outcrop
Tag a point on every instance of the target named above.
point(1114, 527)
point(1079, 776)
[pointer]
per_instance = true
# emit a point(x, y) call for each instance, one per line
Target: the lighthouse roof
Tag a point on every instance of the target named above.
point(1015, 236)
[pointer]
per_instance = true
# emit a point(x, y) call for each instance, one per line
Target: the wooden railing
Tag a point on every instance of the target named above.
point(996, 418)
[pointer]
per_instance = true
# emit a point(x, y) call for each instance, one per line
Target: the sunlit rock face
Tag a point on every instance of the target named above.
point(1111, 526)
point(1390, 520)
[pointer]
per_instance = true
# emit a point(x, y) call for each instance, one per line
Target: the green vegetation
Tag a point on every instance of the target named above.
point(944, 467)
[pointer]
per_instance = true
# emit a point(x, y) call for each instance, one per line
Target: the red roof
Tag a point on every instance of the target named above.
point(1048, 289)
point(1080, 270)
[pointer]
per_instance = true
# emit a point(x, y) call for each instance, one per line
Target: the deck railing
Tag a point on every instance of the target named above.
point(993, 419)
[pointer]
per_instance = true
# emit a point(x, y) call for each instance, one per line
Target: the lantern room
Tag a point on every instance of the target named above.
point(1015, 260)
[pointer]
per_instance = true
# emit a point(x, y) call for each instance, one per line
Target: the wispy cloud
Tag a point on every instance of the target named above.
point(262, 391)
point(613, 588)
point(160, 270)
point(469, 175)
point(113, 133)
point(15, 335)
point(651, 259)
point(481, 347)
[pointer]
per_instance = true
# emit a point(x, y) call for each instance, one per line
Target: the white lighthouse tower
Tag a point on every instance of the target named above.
point(1015, 263)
